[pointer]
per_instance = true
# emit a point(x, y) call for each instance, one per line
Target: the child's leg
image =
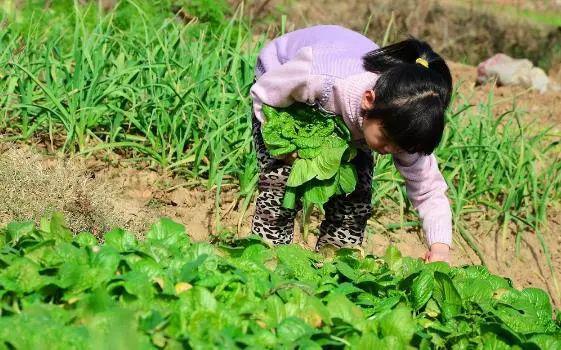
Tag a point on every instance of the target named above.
point(271, 221)
point(346, 216)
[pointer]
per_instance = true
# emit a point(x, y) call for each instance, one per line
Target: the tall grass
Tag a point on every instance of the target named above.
point(176, 94)
point(170, 92)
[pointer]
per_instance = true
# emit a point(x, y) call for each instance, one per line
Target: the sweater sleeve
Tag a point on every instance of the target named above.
point(285, 84)
point(426, 189)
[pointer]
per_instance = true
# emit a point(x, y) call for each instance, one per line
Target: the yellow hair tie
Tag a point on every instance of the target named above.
point(422, 62)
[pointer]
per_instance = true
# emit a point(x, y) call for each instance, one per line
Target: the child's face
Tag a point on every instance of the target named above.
point(376, 138)
point(374, 133)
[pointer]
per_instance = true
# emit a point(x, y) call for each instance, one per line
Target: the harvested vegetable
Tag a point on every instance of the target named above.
point(323, 166)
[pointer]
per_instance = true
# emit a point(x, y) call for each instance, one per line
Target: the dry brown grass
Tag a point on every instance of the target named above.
point(33, 186)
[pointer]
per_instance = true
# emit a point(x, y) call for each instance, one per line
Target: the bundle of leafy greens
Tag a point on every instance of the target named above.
point(324, 150)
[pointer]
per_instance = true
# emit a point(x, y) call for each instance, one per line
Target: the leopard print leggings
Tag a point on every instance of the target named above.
point(345, 215)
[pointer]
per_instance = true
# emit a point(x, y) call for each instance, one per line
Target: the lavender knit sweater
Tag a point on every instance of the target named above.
point(323, 65)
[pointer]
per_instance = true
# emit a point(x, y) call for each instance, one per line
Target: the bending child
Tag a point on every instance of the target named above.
point(392, 99)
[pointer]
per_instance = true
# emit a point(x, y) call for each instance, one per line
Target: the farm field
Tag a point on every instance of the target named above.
point(118, 117)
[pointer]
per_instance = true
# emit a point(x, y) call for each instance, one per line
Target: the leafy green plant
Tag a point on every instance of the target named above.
point(71, 292)
point(324, 151)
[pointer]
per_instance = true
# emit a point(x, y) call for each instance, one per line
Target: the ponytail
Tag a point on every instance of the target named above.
point(411, 94)
point(408, 52)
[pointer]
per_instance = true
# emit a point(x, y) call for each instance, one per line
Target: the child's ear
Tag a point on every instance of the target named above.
point(368, 98)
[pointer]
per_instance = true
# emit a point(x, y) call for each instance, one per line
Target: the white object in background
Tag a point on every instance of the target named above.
point(510, 71)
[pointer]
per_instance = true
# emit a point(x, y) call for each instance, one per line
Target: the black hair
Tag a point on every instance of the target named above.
point(410, 99)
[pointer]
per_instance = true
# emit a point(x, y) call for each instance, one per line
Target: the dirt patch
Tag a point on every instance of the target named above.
point(145, 195)
point(34, 185)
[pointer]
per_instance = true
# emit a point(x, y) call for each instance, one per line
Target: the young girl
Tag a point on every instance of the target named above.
point(392, 99)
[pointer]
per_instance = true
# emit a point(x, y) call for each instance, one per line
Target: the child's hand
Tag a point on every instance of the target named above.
point(288, 158)
point(438, 252)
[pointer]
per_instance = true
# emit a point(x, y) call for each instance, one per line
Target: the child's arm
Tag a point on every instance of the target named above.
point(426, 189)
point(286, 84)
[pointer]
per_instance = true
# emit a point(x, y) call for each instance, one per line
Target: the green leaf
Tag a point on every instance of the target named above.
point(341, 307)
point(320, 191)
point(398, 323)
point(432, 309)
point(282, 150)
point(410, 266)
point(168, 232)
point(22, 276)
point(309, 153)
point(298, 262)
point(74, 276)
point(545, 341)
point(17, 230)
point(527, 311)
point(344, 131)
point(347, 178)
point(366, 341)
point(189, 271)
point(248, 295)
point(139, 285)
point(475, 290)
point(199, 298)
point(320, 140)
point(492, 342)
point(106, 259)
point(85, 239)
point(276, 311)
point(120, 240)
point(347, 288)
point(293, 328)
point(303, 170)
point(42, 324)
point(346, 270)
point(539, 300)
point(439, 266)
point(308, 141)
point(392, 257)
point(446, 295)
point(350, 154)
point(289, 199)
point(386, 304)
point(482, 274)
point(57, 229)
point(422, 288)
point(328, 162)
point(289, 132)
